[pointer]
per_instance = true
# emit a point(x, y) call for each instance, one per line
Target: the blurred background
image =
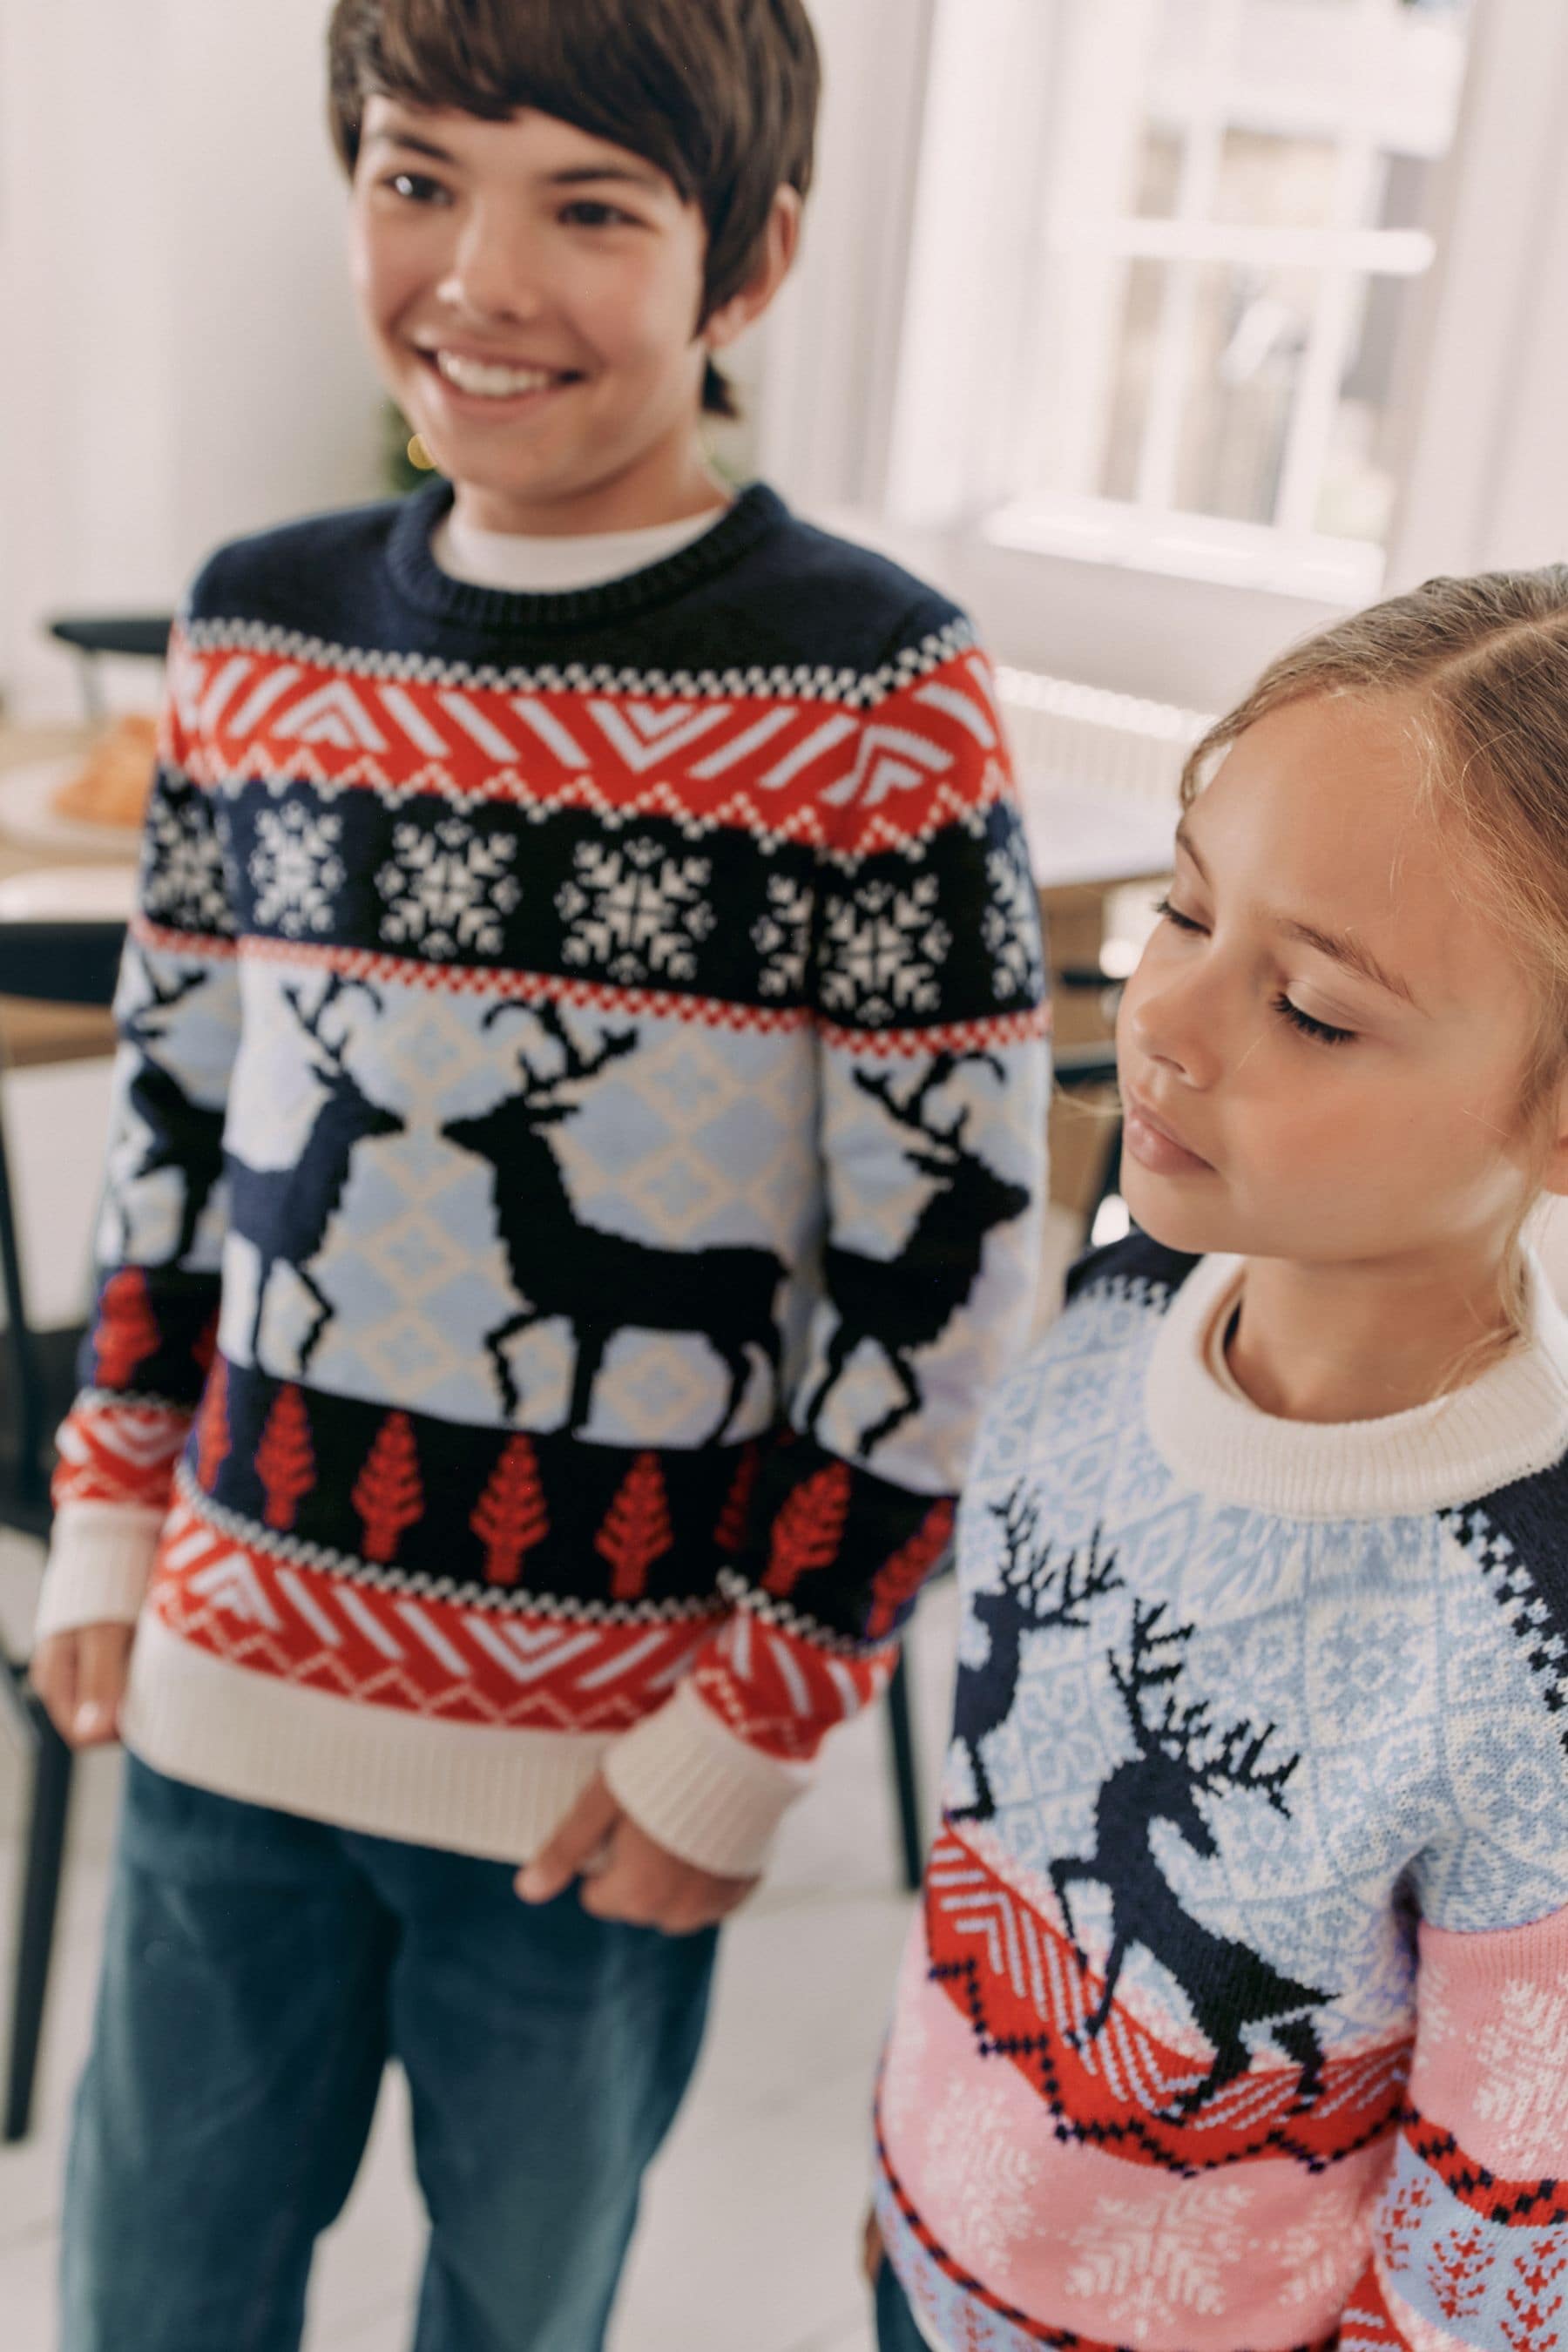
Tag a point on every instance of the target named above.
point(1158, 332)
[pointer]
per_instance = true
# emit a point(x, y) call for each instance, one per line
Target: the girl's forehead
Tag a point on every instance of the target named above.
point(1320, 817)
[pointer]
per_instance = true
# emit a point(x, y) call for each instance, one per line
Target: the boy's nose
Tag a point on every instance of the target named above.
point(492, 274)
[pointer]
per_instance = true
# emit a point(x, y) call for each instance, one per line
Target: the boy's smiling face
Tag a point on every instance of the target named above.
point(532, 295)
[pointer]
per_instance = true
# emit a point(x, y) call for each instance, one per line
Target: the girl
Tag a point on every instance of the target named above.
point(1238, 2011)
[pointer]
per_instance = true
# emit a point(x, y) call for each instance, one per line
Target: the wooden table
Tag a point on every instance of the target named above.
point(31, 1035)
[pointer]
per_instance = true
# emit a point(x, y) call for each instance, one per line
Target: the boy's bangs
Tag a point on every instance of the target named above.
point(590, 64)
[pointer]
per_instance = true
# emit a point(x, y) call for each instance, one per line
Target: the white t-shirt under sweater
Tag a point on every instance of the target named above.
point(530, 564)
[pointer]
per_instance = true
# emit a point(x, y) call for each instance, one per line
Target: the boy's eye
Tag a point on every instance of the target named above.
point(416, 187)
point(1168, 914)
point(586, 211)
point(1323, 1030)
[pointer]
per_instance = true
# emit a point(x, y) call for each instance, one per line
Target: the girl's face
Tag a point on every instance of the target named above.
point(1324, 1050)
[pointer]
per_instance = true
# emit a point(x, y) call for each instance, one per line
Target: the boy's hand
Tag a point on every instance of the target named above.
point(80, 1677)
point(626, 1874)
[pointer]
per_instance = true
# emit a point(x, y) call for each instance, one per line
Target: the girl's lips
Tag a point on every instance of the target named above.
point(1153, 1146)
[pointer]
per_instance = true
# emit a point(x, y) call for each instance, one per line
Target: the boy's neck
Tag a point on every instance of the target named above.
point(643, 497)
point(1329, 1343)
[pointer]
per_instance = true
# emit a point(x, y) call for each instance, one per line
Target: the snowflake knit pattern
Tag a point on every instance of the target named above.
point(1235, 2015)
point(576, 1165)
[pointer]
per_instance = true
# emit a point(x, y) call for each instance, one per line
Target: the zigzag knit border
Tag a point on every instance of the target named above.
point(643, 1003)
point(806, 682)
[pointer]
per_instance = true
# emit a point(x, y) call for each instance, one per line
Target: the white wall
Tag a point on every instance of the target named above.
point(180, 358)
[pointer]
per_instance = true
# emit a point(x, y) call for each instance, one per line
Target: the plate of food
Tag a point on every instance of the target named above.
point(94, 799)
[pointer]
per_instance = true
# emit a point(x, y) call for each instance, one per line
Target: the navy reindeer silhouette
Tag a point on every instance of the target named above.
point(878, 1298)
point(1040, 1589)
point(1180, 1757)
point(285, 1212)
point(561, 1266)
point(182, 1134)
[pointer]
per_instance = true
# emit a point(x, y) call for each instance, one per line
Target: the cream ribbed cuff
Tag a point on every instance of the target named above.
point(101, 1555)
point(711, 1799)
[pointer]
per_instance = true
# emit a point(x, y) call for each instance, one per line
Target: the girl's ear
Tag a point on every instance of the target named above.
point(1556, 1179)
point(780, 245)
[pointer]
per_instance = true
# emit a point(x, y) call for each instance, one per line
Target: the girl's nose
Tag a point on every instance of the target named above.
point(1172, 1019)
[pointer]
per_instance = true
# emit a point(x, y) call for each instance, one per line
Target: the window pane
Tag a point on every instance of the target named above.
point(1132, 377)
point(1158, 171)
point(1270, 182)
point(1355, 498)
point(1250, 329)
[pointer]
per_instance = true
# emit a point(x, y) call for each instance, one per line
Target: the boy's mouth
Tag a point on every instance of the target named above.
point(493, 379)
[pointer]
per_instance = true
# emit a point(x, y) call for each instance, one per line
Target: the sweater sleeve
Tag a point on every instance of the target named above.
point(1470, 2238)
point(151, 1335)
point(930, 1027)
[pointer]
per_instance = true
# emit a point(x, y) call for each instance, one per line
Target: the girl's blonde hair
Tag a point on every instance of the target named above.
point(1485, 661)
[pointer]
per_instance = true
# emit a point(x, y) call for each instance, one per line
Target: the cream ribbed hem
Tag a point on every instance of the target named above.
point(466, 1786)
point(711, 1799)
point(100, 1557)
point(1508, 1424)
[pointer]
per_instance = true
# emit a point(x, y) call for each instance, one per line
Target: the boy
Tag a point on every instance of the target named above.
point(577, 1162)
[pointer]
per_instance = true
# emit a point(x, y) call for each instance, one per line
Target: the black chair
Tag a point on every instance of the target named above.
point(144, 637)
point(1078, 1069)
point(46, 963)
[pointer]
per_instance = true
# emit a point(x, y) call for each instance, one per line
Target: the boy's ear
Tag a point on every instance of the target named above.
point(780, 244)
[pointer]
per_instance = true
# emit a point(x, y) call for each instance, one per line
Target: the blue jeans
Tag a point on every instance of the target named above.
point(896, 2329)
point(259, 1971)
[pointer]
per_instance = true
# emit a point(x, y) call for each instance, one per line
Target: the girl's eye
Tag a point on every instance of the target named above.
point(1323, 1030)
point(416, 188)
point(1168, 914)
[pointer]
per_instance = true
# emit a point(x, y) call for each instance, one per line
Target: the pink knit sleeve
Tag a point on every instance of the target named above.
point(1471, 2244)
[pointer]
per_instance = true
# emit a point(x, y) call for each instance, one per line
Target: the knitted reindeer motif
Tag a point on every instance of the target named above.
point(1180, 1757)
point(182, 1134)
point(727, 1293)
point(875, 1298)
point(285, 1212)
point(1040, 1589)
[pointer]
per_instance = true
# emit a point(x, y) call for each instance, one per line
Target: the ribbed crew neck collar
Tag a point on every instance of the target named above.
point(1508, 1424)
point(755, 513)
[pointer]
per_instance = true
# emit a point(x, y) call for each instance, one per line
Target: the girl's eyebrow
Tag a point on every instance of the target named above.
point(1339, 946)
point(1352, 954)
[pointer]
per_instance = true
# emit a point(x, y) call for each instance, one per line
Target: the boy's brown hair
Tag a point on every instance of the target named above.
point(721, 95)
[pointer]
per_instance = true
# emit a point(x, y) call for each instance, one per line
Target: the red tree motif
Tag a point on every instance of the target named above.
point(387, 1493)
point(899, 1578)
point(637, 1529)
point(212, 1426)
point(807, 1531)
point(1403, 2214)
point(128, 1331)
point(1458, 2272)
point(730, 1532)
point(1529, 2324)
point(285, 1463)
point(510, 1517)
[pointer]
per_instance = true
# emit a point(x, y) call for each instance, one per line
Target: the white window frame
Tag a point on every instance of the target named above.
point(1484, 481)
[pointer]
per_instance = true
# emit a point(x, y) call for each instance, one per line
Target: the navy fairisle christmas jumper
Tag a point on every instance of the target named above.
point(577, 1164)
